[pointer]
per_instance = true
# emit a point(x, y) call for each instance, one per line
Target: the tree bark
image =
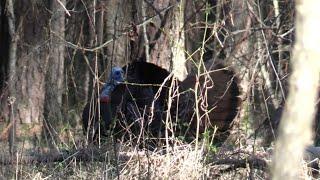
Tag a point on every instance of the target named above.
point(178, 41)
point(27, 67)
point(4, 39)
point(240, 52)
point(12, 74)
point(55, 73)
point(118, 18)
point(249, 50)
point(166, 36)
point(295, 127)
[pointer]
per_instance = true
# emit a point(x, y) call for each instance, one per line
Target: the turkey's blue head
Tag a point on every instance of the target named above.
point(116, 77)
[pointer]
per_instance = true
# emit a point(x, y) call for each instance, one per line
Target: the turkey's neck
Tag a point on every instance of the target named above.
point(108, 89)
point(106, 92)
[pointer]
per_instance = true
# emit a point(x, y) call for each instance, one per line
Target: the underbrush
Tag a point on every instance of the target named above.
point(119, 161)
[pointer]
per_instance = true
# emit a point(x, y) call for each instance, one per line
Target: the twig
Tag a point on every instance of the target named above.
point(65, 9)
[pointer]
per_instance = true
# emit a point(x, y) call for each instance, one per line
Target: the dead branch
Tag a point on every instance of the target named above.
point(235, 163)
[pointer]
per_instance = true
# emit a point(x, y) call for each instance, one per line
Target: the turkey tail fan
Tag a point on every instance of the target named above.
point(218, 101)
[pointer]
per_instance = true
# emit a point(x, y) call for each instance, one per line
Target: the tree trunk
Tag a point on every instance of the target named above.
point(12, 75)
point(249, 53)
point(240, 55)
point(193, 35)
point(295, 127)
point(178, 41)
point(54, 83)
point(27, 67)
point(4, 39)
point(166, 36)
point(118, 18)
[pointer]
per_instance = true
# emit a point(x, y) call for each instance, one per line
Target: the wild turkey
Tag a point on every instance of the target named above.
point(138, 115)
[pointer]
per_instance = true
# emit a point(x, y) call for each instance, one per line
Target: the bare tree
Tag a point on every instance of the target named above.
point(295, 127)
point(165, 35)
point(178, 41)
point(54, 83)
point(117, 22)
point(28, 59)
point(12, 74)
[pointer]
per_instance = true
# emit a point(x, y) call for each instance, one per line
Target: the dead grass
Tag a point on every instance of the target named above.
point(179, 162)
point(183, 163)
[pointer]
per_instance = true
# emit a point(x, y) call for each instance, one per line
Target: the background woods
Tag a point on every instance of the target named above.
point(223, 65)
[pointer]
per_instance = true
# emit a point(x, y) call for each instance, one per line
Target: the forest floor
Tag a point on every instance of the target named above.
point(121, 161)
point(181, 162)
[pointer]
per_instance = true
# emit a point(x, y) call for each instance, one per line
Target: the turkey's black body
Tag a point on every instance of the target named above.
point(139, 115)
point(130, 106)
point(147, 74)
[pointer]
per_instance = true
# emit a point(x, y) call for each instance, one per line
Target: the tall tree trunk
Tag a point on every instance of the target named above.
point(166, 36)
point(178, 41)
point(4, 39)
point(240, 55)
point(193, 35)
point(118, 19)
point(12, 74)
point(248, 52)
point(295, 127)
point(27, 67)
point(54, 83)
